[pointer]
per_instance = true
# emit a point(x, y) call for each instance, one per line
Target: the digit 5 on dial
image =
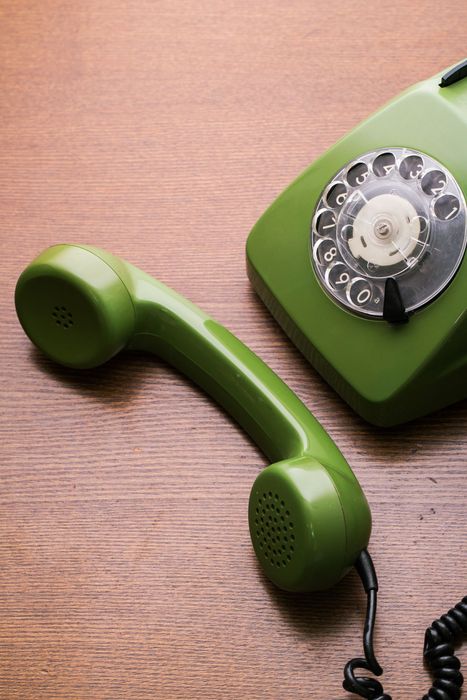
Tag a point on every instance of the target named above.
point(362, 259)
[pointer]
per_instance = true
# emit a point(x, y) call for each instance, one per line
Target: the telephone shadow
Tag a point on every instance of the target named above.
point(428, 437)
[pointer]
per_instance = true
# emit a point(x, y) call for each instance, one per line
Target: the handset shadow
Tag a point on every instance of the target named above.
point(114, 382)
point(327, 612)
point(332, 619)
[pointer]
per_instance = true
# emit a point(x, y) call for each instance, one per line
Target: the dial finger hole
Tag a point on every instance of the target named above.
point(346, 232)
point(336, 195)
point(325, 251)
point(337, 276)
point(420, 223)
point(411, 167)
point(446, 207)
point(325, 223)
point(357, 174)
point(384, 164)
point(360, 292)
point(433, 182)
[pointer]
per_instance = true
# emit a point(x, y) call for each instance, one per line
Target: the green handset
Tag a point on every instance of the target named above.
point(362, 258)
point(309, 518)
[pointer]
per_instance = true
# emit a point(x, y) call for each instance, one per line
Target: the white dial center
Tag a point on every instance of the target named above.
point(386, 230)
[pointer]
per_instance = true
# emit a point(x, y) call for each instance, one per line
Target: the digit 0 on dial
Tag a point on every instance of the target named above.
point(392, 213)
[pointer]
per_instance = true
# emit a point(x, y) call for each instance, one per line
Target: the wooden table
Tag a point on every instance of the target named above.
point(161, 131)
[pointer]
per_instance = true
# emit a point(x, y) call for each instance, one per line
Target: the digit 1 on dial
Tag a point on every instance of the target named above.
point(325, 222)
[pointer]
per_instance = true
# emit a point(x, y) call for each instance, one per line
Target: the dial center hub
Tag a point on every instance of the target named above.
point(383, 227)
point(385, 230)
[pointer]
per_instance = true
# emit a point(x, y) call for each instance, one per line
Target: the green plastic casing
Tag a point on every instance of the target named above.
point(81, 305)
point(389, 374)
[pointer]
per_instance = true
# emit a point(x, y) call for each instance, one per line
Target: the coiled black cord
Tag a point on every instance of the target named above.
point(440, 640)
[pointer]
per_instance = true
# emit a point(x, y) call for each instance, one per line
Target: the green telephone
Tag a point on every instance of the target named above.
point(361, 260)
point(309, 519)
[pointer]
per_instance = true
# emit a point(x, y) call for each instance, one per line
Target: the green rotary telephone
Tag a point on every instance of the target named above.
point(361, 260)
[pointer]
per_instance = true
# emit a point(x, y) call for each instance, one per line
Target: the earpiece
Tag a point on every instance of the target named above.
point(309, 519)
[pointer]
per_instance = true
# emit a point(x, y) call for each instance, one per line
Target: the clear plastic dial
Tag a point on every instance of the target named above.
point(394, 213)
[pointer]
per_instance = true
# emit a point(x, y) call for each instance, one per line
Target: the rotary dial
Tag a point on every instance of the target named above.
point(393, 213)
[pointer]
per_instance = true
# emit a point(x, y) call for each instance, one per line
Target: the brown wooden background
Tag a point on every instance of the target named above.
point(161, 131)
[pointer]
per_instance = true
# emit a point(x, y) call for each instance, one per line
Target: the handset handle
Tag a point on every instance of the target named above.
point(173, 328)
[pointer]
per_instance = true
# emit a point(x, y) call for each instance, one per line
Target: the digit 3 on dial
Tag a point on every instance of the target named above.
point(392, 214)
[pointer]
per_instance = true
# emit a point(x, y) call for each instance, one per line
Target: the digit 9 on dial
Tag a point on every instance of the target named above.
point(392, 213)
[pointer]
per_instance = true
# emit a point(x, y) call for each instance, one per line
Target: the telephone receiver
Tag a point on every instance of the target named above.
point(309, 520)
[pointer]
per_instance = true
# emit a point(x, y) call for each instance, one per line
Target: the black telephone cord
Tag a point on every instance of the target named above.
point(440, 639)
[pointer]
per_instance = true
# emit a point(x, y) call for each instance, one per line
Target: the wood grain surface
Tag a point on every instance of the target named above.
point(161, 131)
